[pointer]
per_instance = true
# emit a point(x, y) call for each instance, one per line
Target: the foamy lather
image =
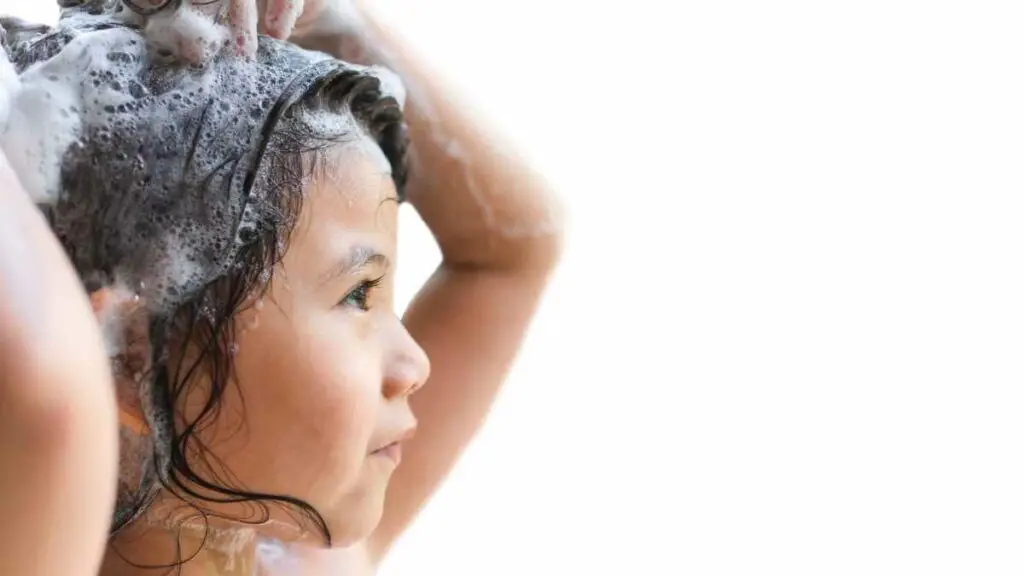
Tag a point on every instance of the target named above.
point(147, 165)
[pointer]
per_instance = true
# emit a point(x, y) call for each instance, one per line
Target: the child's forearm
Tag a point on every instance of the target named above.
point(58, 426)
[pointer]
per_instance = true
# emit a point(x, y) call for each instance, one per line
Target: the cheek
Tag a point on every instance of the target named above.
point(341, 389)
point(310, 386)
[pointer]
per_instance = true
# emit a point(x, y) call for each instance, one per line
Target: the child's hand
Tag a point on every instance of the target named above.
point(277, 18)
point(188, 30)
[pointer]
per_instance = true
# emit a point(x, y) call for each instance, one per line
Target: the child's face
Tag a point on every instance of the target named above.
point(323, 365)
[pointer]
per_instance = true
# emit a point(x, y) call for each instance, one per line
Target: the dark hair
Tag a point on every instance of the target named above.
point(124, 188)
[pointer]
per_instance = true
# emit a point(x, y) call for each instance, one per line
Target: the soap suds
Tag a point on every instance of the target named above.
point(9, 86)
point(124, 144)
point(46, 110)
point(275, 557)
point(325, 124)
point(100, 125)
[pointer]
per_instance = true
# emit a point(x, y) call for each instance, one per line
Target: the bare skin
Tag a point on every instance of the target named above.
point(500, 234)
point(57, 417)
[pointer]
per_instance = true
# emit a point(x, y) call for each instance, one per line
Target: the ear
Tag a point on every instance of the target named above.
point(125, 324)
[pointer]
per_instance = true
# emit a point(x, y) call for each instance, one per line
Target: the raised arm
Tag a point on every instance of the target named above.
point(58, 439)
point(499, 228)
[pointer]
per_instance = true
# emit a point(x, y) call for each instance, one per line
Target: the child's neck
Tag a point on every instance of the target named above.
point(195, 551)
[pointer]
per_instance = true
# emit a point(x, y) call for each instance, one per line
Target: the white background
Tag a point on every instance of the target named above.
point(788, 337)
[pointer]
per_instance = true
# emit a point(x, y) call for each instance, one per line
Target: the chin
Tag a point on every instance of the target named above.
point(356, 519)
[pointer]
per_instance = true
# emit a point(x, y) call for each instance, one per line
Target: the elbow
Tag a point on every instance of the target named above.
point(545, 253)
point(544, 250)
point(526, 235)
point(538, 244)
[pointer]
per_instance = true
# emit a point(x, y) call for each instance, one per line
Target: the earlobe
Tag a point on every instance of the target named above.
point(125, 325)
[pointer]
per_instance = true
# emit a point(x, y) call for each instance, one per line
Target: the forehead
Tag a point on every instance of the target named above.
point(350, 198)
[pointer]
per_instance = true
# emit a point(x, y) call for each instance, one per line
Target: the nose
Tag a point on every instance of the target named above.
point(407, 367)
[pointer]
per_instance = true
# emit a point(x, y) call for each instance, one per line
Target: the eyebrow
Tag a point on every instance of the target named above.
point(359, 256)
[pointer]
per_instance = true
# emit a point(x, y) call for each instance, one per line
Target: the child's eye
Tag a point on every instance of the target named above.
point(360, 295)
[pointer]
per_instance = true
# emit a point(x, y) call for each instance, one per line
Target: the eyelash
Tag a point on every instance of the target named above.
point(362, 293)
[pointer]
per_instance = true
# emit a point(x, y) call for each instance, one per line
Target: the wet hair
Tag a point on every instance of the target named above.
point(185, 184)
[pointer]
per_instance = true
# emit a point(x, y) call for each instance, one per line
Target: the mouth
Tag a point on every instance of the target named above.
point(392, 452)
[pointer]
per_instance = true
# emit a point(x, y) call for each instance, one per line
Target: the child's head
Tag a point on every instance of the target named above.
point(251, 207)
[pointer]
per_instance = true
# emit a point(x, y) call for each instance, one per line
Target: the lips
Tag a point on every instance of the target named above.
point(392, 452)
point(393, 449)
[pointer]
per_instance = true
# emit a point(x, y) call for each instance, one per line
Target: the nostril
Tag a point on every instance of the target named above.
point(417, 387)
point(403, 379)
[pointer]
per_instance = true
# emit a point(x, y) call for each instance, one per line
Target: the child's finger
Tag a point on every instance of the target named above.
point(243, 17)
point(281, 16)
